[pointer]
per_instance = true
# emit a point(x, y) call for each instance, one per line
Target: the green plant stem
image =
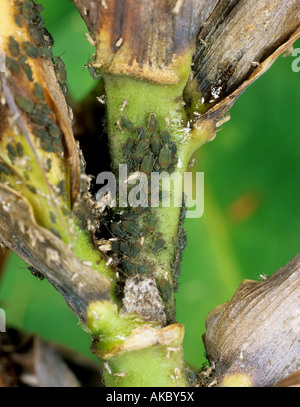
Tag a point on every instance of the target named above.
point(136, 99)
point(146, 356)
point(153, 365)
point(148, 367)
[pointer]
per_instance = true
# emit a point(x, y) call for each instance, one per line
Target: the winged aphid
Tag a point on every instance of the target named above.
point(141, 133)
point(135, 249)
point(166, 289)
point(117, 230)
point(125, 248)
point(159, 244)
point(60, 69)
point(36, 273)
point(142, 146)
point(131, 227)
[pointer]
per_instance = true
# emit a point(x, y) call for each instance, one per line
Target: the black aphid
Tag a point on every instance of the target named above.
point(4, 169)
point(125, 248)
point(25, 104)
point(20, 150)
point(12, 153)
point(12, 65)
point(135, 249)
point(141, 133)
point(166, 289)
point(31, 188)
point(165, 136)
point(52, 217)
point(45, 53)
point(38, 91)
point(126, 124)
point(143, 269)
point(30, 49)
point(18, 20)
point(147, 164)
point(165, 157)
point(152, 123)
point(129, 268)
point(28, 71)
point(40, 118)
point(42, 134)
point(155, 143)
point(128, 147)
point(13, 46)
point(151, 223)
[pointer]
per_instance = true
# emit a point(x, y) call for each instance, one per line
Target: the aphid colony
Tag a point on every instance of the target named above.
point(179, 243)
point(134, 236)
point(41, 45)
point(151, 151)
point(38, 111)
point(129, 233)
point(19, 56)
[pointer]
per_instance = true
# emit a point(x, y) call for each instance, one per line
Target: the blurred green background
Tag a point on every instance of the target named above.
point(251, 220)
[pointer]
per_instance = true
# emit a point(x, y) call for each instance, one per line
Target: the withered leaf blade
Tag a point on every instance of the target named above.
point(78, 283)
point(29, 67)
point(256, 334)
point(216, 112)
point(237, 38)
point(61, 110)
